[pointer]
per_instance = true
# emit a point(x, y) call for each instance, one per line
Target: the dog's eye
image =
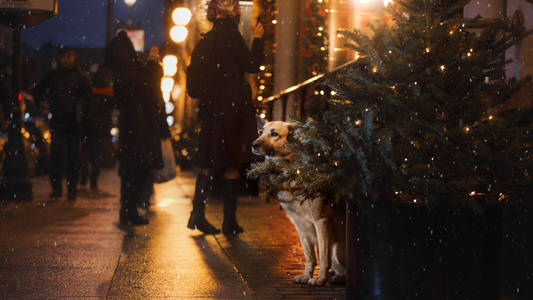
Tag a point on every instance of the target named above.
point(273, 133)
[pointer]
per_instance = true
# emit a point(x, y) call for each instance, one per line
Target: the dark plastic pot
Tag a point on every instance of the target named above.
point(401, 251)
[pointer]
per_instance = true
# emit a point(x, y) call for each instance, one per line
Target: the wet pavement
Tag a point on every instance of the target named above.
point(51, 250)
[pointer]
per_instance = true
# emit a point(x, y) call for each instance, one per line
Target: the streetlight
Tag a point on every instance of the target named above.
point(170, 65)
point(129, 3)
point(178, 33)
point(181, 16)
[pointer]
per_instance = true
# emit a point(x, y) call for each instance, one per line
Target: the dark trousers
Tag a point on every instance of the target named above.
point(93, 158)
point(132, 190)
point(64, 151)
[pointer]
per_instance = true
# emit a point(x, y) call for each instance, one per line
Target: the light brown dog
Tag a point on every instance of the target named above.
point(318, 223)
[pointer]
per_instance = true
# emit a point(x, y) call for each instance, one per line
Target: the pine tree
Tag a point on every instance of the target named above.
point(411, 120)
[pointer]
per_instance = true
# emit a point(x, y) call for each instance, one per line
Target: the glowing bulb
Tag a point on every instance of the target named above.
point(467, 129)
point(274, 21)
point(170, 65)
point(262, 115)
point(491, 117)
point(130, 2)
point(442, 68)
point(169, 107)
point(181, 16)
point(167, 84)
point(260, 98)
point(472, 193)
point(261, 87)
point(178, 34)
point(262, 68)
point(427, 50)
point(375, 69)
point(166, 97)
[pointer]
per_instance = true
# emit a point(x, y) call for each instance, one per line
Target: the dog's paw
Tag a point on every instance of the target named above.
point(338, 279)
point(301, 279)
point(317, 281)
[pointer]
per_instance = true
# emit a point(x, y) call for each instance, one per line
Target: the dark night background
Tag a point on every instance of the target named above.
point(82, 23)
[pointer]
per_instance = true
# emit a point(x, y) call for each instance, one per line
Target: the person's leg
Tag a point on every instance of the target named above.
point(147, 190)
point(197, 219)
point(231, 194)
point(96, 160)
point(73, 165)
point(57, 155)
point(129, 196)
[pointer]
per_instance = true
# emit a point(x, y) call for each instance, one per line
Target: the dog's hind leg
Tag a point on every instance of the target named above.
point(324, 244)
point(338, 263)
point(310, 259)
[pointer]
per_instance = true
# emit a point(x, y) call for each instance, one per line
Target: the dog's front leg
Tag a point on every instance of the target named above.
point(324, 242)
point(310, 259)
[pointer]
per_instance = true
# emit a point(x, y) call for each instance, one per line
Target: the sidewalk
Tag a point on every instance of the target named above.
point(57, 250)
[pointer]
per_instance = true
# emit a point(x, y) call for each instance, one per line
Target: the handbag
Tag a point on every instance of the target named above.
point(168, 172)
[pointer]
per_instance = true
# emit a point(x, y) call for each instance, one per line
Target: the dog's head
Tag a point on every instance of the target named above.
point(272, 138)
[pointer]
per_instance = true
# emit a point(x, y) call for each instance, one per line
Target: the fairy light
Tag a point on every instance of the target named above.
point(491, 117)
point(442, 68)
point(375, 69)
point(274, 21)
point(427, 50)
point(262, 68)
point(467, 129)
point(472, 193)
point(259, 98)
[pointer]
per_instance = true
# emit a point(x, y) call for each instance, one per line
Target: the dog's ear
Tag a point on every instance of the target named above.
point(260, 123)
point(291, 127)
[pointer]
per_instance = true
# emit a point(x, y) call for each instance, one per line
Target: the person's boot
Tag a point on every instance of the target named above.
point(128, 214)
point(197, 219)
point(94, 183)
point(230, 225)
point(72, 190)
point(57, 190)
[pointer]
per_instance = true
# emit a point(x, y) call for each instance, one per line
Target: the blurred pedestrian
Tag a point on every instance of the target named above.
point(5, 95)
point(227, 113)
point(98, 128)
point(68, 91)
point(154, 73)
point(139, 139)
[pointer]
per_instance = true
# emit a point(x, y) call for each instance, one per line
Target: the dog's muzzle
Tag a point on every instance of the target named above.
point(256, 148)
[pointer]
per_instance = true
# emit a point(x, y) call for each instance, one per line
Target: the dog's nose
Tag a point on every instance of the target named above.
point(255, 145)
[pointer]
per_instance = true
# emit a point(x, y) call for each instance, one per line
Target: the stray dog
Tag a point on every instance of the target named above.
point(318, 223)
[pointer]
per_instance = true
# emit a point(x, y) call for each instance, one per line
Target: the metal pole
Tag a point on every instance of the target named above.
point(15, 185)
point(109, 19)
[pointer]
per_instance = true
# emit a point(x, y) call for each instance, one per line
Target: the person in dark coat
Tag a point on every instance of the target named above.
point(98, 128)
point(227, 116)
point(154, 74)
point(139, 139)
point(69, 91)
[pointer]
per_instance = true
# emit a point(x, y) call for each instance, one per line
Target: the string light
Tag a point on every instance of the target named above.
point(375, 69)
point(442, 68)
point(274, 21)
point(427, 50)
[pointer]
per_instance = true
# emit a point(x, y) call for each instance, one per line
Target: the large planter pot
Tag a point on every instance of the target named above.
point(402, 251)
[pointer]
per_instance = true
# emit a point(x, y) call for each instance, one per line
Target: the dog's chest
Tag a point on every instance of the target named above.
point(295, 208)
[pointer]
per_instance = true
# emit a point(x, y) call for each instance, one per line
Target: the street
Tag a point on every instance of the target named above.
point(51, 250)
